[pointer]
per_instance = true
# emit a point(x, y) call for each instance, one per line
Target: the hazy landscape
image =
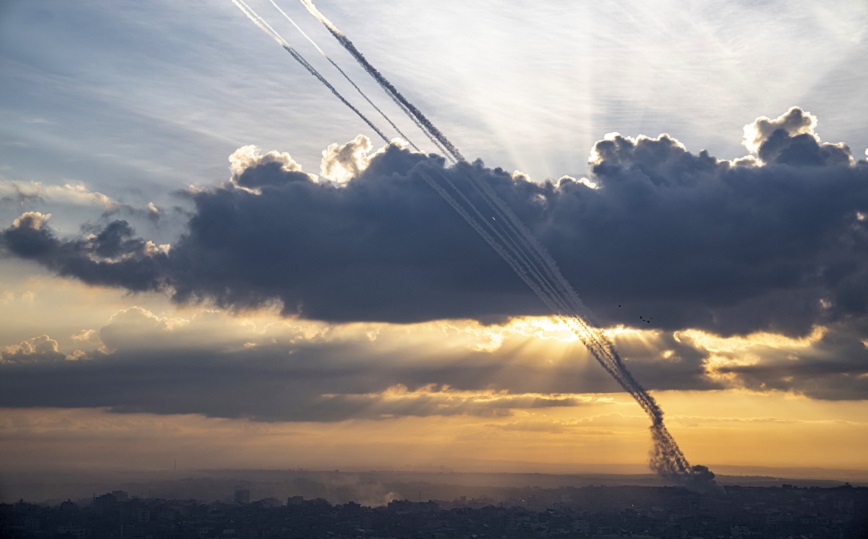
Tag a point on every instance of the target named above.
point(371, 488)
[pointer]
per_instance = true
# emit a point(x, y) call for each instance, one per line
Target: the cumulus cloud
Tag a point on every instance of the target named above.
point(32, 220)
point(112, 256)
point(776, 242)
point(791, 139)
point(35, 350)
point(343, 162)
point(271, 169)
point(793, 123)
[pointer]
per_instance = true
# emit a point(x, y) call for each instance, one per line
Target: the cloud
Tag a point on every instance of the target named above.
point(833, 367)
point(793, 123)
point(790, 139)
point(268, 369)
point(436, 400)
point(215, 365)
point(774, 242)
point(343, 162)
point(69, 193)
point(72, 197)
point(112, 256)
point(252, 170)
point(36, 350)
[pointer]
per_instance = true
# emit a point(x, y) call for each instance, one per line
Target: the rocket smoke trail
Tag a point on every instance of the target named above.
point(333, 90)
point(433, 133)
point(498, 225)
point(507, 235)
point(271, 32)
point(347, 77)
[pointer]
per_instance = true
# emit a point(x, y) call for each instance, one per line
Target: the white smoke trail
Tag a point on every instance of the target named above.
point(297, 27)
point(260, 22)
point(344, 74)
point(434, 134)
point(263, 25)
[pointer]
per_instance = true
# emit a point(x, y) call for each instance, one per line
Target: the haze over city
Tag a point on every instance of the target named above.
point(212, 259)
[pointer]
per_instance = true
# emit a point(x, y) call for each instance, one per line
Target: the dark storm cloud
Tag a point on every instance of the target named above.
point(676, 238)
point(112, 256)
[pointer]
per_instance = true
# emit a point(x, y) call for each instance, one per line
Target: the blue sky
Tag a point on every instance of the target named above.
point(154, 96)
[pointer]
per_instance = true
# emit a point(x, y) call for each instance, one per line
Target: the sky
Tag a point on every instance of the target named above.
point(208, 261)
